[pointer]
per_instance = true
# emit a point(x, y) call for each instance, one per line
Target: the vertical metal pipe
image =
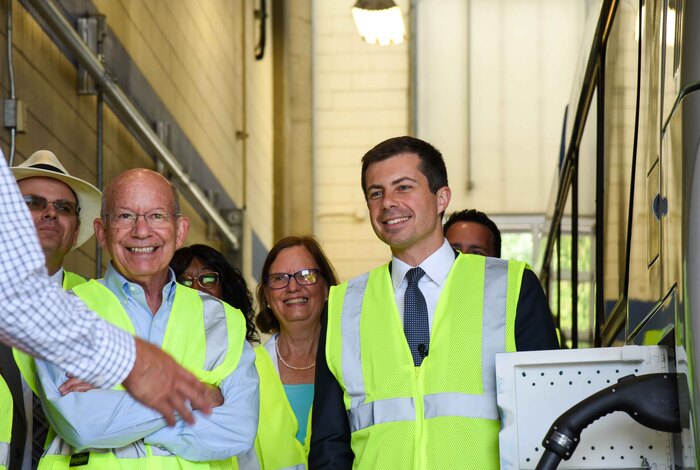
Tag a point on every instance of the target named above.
point(574, 253)
point(557, 317)
point(600, 205)
point(468, 85)
point(99, 166)
point(11, 74)
point(244, 106)
point(99, 170)
point(413, 67)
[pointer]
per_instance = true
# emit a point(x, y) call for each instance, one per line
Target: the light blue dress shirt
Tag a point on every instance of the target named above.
point(111, 418)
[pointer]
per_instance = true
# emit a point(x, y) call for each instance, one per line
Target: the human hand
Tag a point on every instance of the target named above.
point(73, 384)
point(157, 381)
point(214, 396)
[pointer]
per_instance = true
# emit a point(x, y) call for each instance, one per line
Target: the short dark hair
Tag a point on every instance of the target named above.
point(432, 165)
point(266, 320)
point(473, 215)
point(233, 286)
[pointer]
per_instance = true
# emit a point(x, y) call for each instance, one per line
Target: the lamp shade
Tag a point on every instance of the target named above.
point(379, 22)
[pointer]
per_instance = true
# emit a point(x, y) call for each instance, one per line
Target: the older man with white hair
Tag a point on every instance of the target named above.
point(141, 227)
point(43, 320)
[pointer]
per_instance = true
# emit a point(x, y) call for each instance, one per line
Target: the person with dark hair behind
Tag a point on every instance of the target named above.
point(204, 268)
point(296, 277)
point(472, 232)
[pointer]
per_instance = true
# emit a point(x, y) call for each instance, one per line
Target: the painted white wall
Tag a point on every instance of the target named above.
point(360, 98)
point(498, 72)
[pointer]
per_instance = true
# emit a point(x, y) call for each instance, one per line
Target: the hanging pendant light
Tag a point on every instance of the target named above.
point(379, 22)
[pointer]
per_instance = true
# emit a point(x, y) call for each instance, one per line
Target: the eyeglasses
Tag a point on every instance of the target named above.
point(37, 203)
point(305, 277)
point(154, 219)
point(205, 280)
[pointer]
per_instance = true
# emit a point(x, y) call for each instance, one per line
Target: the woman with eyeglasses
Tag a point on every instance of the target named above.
point(203, 268)
point(296, 277)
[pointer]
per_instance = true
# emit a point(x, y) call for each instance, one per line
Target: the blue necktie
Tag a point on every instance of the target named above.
point(415, 317)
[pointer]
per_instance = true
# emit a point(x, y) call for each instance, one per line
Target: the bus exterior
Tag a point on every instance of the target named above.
point(622, 258)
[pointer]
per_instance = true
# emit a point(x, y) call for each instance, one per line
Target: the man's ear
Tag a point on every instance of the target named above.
point(182, 228)
point(444, 195)
point(100, 232)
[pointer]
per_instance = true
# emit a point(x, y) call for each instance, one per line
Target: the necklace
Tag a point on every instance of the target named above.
point(279, 356)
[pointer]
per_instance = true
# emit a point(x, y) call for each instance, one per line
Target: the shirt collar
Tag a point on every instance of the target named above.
point(436, 266)
point(121, 285)
point(57, 277)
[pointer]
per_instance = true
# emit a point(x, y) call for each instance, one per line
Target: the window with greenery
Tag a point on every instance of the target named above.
point(520, 237)
point(518, 246)
point(585, 291)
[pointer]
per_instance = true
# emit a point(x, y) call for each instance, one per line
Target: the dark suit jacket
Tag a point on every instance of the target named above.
point(9, 372)
point(330, 435)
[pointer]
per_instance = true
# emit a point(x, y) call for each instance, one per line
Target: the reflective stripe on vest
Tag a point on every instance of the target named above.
point(494, 326)
point(6, 410)
point(4, 454)
point(362, 415)
point(352, 357)
point(135, 450)
point(249, 461)
point(215, 331)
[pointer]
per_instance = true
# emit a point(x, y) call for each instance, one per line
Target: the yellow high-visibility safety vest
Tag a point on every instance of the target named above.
point(71, 280)
point(439, 415)
point(208, 345)
point(6, 407)
point(276, 445)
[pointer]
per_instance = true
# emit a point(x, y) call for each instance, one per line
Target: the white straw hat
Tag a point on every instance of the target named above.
point(44, 163)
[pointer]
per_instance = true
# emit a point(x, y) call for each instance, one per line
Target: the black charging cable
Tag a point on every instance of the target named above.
point(652, 400)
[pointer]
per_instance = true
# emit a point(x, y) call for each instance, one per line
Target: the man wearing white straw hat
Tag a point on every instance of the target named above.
point(57, 202)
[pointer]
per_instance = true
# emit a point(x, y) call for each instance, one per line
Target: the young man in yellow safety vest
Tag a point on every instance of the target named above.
point(405, 374)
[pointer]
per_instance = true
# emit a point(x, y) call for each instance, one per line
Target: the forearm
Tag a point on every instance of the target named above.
point(80, 342)
point(96, 418)
point(231, 427)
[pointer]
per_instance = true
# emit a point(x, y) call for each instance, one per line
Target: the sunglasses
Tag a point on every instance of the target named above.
point(205, 280)
point(37, 203)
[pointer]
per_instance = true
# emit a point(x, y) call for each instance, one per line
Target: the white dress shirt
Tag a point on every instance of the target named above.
point(436, 266)
point(38, 316)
